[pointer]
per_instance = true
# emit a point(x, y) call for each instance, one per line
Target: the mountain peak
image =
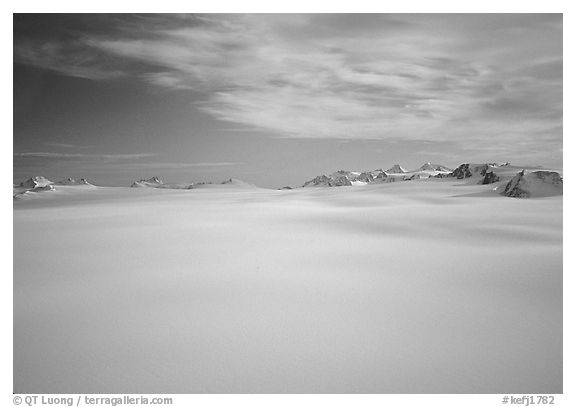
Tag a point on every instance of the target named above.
point(534, 184)
point(151, 182)
point(396, 169)
point(433, 167)
point(338, 179)
point(36, 181)
point(72, 181)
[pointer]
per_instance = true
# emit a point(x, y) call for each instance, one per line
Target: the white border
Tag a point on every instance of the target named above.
point(220, 6)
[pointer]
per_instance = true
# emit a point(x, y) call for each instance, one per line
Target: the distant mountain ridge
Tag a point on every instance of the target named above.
point(72, 181)
point(155, 182)
point(511, 181)
point(433, 167)
point(514, 181)
point(394, 173)
point(41, 184)
point(34, 182)
point(151, 182)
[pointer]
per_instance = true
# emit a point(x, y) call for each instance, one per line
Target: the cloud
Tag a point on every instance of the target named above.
point(71, 59)
point(121, 161)
point(175, 165)
point(66, 145)
point(80, 156)
point(470, 79)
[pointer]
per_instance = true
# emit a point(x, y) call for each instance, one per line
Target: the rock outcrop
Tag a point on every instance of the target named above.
point(34, 182)
point(534, 184)
point(463, 171)
point(151, 182)
point(337, 179)
point(490, 178)
point(365, 177)
point(396, 169)
point(381, 177)
point(72, 181)
point(470, 170)
point(44, 188)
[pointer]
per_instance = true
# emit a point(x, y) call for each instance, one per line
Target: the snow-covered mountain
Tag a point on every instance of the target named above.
point(411, 176)
point(468, 170)
point(234, 181)
point(433, 167)
point(509, 180)
point(41, 184)
point(512, 181)
point(539, 183)
point(72, 181)
point(231, 183)
point(381, 176)
point(153, 182)
point(530, 181)
point(396, 169)
point(365, 177)
point(488, 173)
point(427, 170)
point(156, 182)
point(395, 173)
point(34, 182)
point(338, 179)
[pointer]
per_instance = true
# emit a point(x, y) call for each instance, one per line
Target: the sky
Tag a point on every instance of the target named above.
point(276, 99)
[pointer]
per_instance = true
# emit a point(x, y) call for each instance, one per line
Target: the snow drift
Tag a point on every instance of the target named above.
point(408, 287)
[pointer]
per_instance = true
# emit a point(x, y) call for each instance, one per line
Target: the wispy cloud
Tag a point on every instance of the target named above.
point(124, 161)
point(66, 145)
point(470, 79)
point(175, 165)
point(64, 156)
point(69, 58)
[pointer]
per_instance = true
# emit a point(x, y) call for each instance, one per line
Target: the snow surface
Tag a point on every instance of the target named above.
point(427, 286)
